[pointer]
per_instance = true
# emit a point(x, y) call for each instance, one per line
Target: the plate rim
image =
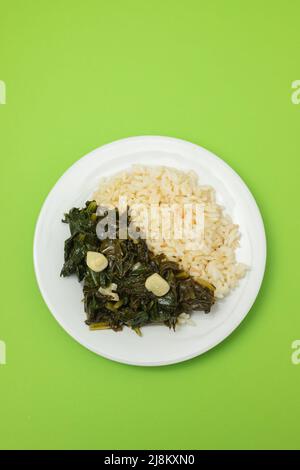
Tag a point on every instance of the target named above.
point(260, 228)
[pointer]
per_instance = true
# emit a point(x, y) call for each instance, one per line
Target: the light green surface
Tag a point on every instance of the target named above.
point(81, 74)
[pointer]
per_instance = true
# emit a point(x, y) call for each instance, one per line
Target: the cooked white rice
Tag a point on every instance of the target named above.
point(215, 259)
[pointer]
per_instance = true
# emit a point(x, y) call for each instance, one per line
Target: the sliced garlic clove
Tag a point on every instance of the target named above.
point(157, 285)
point(109, 292)
point(96, 261)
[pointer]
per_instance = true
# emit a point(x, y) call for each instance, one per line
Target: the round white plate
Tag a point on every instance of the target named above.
point(158, 345)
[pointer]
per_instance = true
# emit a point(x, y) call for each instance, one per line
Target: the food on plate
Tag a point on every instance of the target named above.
point(178, 255)
point(136, 287)
point(215, 260)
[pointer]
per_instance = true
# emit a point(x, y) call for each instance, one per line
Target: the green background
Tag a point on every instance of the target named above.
point(83, 73)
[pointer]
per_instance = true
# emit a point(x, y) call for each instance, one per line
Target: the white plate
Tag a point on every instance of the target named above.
point(159, 345)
